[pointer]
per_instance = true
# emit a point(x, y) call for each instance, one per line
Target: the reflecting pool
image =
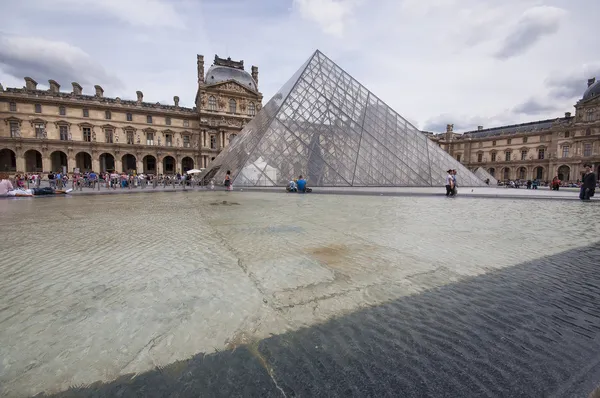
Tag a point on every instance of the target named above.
point(272, 294)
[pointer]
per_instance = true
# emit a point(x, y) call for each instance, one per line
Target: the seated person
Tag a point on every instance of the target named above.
point(301, 184)
point(292, 186)
point(37, 192)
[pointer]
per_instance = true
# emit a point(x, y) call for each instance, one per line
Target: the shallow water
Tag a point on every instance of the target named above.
point(100, 286)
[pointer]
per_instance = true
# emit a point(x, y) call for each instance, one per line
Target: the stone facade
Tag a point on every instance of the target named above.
point(46, 130)
point(542, 149)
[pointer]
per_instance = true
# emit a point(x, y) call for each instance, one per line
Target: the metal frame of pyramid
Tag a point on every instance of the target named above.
point(483, 175)
point(326, 126)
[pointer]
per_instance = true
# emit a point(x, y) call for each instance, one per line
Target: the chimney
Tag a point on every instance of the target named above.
point(479, 128)
point(30, 84)
point(200, 69)
point(54, 86)
point(77, 89)
point(99, 91)
point(255, 75)
point(591, 81)
point(567, 114)
point(140, 96)
point(176, 100)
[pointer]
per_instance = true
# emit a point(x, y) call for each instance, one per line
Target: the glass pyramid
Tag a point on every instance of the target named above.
point(326, 126)
point(484, 175)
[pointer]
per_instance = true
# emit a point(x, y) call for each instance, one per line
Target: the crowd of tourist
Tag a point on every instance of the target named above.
point(90, 179)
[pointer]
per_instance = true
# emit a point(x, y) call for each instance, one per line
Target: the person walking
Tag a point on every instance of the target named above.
point(454, 186)
point(588, 185)
point(449, 182)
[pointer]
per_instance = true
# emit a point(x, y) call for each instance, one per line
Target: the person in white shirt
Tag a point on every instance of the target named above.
point(449, 183)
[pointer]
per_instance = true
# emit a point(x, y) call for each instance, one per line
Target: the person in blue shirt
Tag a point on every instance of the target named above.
point(301, 183)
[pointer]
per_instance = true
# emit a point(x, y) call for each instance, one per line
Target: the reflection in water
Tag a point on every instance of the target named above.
point(364, 295)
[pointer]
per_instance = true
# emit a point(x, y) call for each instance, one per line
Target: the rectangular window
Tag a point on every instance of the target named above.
point(480, 157)
point(149, 119)
point(39, 130)
point(565, 153)
point(493, 143)
point(109, 136)
point(213, 142)
point(64, 133)
point(507, 156)
point(38, 108)
point(168, 121)
point(493, 156)
point(186, 141)
point(13, 106)
point(458, 157)
point(524, 140)
point(129, 117)
point(130, 137)
point(62, 110)
point(567, 134)
point(87, 134)
point(14, 129)
point(107, 115)
point(523, 155)
point(149, 138)
point(168, 140)
point(86, 112)
point(508, 141)
point(186, 123)
point(587, 150)
point(541, 153)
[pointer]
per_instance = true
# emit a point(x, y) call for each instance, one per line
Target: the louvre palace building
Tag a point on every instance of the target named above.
point(536, 150)
point(54, 130)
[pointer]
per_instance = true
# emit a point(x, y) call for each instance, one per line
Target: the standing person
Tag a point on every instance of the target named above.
point(449, 182)
point(454, 186)
point(228, 183)
point(5, 184)
point(588, 185)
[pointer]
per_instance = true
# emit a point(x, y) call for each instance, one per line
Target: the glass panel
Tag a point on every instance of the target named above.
point(326, 126)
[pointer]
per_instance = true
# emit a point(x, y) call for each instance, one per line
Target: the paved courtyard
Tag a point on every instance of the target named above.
point(96, 287)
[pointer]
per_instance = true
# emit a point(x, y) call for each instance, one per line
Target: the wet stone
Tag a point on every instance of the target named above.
point(298, 295)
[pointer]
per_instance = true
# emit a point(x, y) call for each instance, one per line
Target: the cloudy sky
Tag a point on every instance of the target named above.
point(467, 62)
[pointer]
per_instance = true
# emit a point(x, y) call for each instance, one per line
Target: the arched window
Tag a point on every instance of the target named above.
point(252, 109)
point(232, 106)
point(212, 103)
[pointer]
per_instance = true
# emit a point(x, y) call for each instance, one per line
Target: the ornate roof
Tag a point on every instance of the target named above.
point(218, 73)
point(592, 91)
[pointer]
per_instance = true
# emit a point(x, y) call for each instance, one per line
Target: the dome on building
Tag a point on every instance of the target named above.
point(592, 91)
point(218, 73)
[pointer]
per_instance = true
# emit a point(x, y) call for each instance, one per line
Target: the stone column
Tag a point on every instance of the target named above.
point(139, 164)
point(159, 165)
point(96, 163)
point(47, 163)
point(20, 161)
point(118, 164)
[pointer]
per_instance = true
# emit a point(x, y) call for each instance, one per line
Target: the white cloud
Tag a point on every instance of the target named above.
point(147, 13)
point(44, 59)
point(330, 15)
